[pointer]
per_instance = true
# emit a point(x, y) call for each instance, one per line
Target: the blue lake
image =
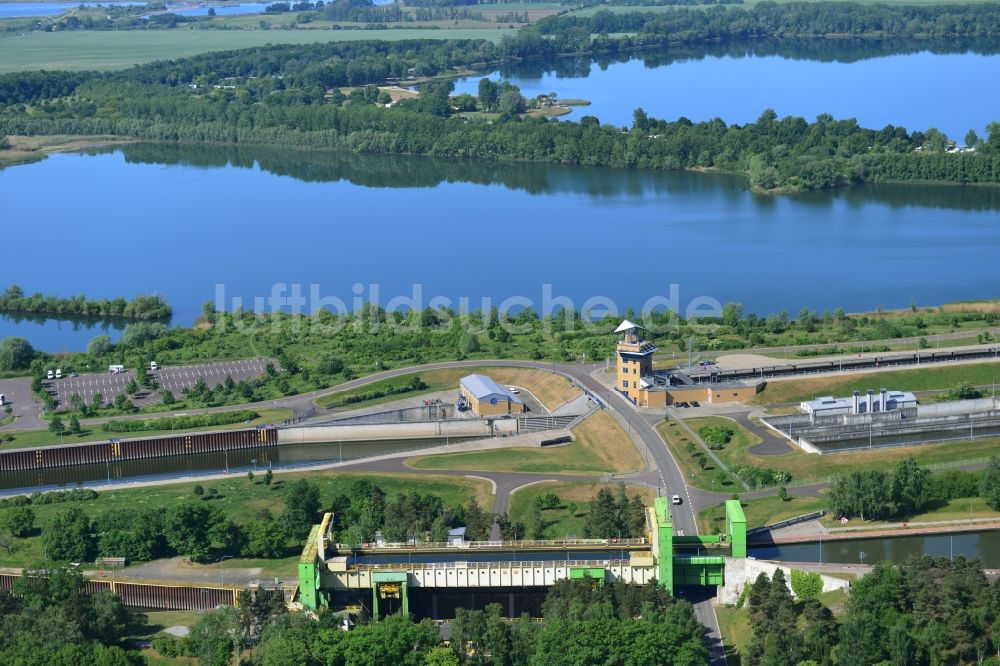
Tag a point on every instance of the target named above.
point(19, 9)
point(919, 90)
point(182, 221)
point(225, 10)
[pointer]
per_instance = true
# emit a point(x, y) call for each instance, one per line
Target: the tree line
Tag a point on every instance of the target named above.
point(141, 307)
point(909, 489)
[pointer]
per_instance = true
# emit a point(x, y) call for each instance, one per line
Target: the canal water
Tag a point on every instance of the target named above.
point(984, 545)
point(244, 222)
point(235, 462)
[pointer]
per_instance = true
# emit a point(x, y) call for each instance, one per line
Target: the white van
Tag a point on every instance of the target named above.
point(51, 375)
point(115, 369)
point(153, 367)
point(3, 400)
point(58, 373)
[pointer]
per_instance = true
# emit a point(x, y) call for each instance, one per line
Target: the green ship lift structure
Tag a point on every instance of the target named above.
point(330, 574)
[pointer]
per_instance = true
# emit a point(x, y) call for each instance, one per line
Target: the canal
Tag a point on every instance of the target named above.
point(984, 545)
point(235, 462)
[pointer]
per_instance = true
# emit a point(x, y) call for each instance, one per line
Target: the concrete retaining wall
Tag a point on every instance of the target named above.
point(742, 572)
point(388, 431)
point(434, 412)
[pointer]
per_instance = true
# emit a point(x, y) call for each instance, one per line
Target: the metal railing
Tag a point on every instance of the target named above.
point(512, 564)
point(494, 545)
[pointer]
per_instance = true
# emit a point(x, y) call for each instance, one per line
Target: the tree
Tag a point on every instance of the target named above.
point(264, 538)
point(16, 354)
point(68, 537)
point(74, 425)
point(489, 94)
point(216, 636)
point(732, 313)
point(908, 487)
point(268, 477)
point(168, 397)
point(302, 504)
point(99, 345)
point(194, 529)
point(97, 402)
point(198, 490)
point(18, 521)
point(328, 364)
point(989, 488)
point(56, 425)
point(971, 138)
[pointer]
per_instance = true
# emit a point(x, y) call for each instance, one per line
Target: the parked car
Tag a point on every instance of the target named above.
point(51, 374)
point(694, 403)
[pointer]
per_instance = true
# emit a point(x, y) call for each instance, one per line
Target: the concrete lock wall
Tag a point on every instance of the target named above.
point(742, 572)
point(372, 432)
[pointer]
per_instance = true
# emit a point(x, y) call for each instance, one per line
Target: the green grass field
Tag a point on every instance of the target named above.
point(916, 379)
point(239, 499)
point(566, 520)
point(810, 467)
point(84, 50)
point(30, 438)
point(601, 447)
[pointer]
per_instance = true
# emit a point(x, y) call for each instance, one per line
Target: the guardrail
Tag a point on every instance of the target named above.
point(512, 564)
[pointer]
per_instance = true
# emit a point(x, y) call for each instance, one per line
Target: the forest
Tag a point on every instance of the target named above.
point(290, 95)
point(921, 612)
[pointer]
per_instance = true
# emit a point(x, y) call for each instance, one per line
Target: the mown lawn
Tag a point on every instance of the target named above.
point(239, 499)
point(31, 438)
point(769, 510)
point(601, 447)
point(566, 520)
point(916, 379)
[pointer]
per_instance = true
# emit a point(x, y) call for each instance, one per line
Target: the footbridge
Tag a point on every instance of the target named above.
point(388, 575)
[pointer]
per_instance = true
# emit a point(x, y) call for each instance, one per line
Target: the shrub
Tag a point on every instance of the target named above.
point(181, 422)
point(716, 436)
point(806, 585)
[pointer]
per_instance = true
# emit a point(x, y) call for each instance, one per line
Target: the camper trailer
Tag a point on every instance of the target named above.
point(115, 369)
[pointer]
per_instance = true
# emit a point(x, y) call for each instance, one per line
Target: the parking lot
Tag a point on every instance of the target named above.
point(172, 378)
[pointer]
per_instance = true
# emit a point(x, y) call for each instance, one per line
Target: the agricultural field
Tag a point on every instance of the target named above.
point(110, 50)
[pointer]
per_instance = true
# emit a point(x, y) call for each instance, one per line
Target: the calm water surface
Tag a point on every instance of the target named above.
point(19, 9)
point(193, 223)
point(916, 90)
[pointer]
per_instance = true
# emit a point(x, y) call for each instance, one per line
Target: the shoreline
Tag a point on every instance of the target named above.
point(30, 149)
